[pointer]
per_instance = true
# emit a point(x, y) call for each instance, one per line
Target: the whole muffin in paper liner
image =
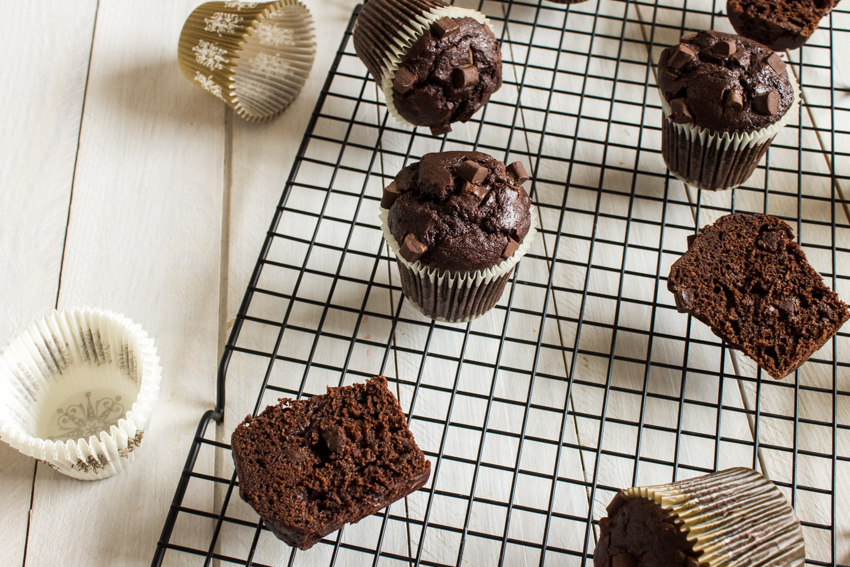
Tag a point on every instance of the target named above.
point(458, 222)
point(436, 64)
point(731, 518)
point(724, 98)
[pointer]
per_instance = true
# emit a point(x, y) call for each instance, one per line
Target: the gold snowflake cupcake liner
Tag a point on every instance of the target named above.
point(734, 518)
point(254, 56)
point(77, 389)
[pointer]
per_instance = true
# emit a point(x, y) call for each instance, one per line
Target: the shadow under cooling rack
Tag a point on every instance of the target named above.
point(584, 378)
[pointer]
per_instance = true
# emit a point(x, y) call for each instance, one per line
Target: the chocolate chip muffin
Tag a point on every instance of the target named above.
point(731, 517)
point(448, 67)
point(748, 280)
point(309, 466)
point(724, 98)
point(458, 223)
point(779, 24)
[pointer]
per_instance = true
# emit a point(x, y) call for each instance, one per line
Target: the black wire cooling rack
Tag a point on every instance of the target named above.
point(584, 378)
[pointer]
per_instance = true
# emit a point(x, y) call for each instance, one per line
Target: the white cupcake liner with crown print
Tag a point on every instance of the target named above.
point(77, 388)
point(254, 56)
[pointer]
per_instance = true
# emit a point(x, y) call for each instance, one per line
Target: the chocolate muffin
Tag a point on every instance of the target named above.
point(309, 466)
point(447, 68)
point(702, 522)
point(724, 98)
point(448, 74)
point(779, 24)
point(748, 280)
point(458, 223)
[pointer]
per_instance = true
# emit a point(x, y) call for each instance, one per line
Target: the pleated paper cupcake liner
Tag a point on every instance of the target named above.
point(734, 518)
point(78, 388)
point(254, 56)
point(716, 161)
point(391, 28)
point(455, 297)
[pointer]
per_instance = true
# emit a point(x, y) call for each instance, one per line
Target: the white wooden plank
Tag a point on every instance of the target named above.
point(143, 239)
point(39, 139)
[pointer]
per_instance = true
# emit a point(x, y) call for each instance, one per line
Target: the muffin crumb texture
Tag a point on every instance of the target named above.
point(779, 24)
point(639, 533)
point(309, 466)
point(747, 279)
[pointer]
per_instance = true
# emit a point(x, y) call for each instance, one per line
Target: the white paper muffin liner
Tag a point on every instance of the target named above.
point(408, 31)
point(78, 387)
point(254, 56)
point(724, 160)
point(735, 518)
point(455, 297)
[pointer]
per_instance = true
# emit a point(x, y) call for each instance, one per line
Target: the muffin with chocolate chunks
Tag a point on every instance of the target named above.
point(724, 98)
point(449, 66)
point(458, 223)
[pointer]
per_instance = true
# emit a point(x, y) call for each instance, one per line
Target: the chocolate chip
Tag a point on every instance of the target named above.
point(691, 238)
point(789, 306)
point(623, 560)
point(441, 129)
point(734, 100)
point(510, 248)
point(471, 171)
point(776, 63)
point(725, 48)
point(403, 80)
point(688, 37)
point(444, 26)
point(616, 503)
point(391, 193)
point(294, 455)
point(463, 77)
point(518, 172)
point(681, 56)
point(679, 112)
point(334, 438)
point(412, 248)
point(477, 190)
point(684, 298)
point(767, 103)
point(471, 57)
point(771, 241)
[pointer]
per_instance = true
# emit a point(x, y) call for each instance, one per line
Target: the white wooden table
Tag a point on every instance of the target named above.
point(126, 187)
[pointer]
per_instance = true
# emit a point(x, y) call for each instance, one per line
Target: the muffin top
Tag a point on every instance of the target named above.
point(458, 211)
point(724, 82)
point(448, 74)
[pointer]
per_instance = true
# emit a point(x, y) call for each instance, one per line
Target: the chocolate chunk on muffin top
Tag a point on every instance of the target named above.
point(724, 82)
point(458, 211)
point(448, 74)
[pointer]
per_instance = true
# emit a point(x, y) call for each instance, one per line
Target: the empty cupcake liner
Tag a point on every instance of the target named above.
point(716, 161)
point(454, 297)
point(254, 56)
point(78, 387)
point(735, 518)
point(390, 28)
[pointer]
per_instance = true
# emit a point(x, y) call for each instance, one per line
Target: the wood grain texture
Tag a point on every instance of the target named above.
point(143, 239)
point(43, 102)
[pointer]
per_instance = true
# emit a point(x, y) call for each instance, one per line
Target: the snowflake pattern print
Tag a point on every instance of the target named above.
point(210, 55)
point(275, 35)
point(270, 65)
point(239, 5)
point(222, 22)
point(208, 84)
